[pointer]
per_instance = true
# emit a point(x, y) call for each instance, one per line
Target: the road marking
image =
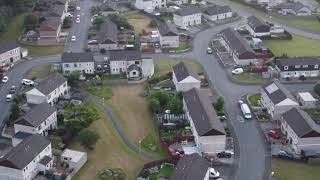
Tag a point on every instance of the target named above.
point(240, 119)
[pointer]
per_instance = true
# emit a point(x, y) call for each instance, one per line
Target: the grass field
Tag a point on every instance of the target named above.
point(40, 72)
point(248, 78)
point(110, 152)
point(134, 116)
point(139, 22)
point(287, 170)
point(298, 46)
point(163, 66)
point(99, 91)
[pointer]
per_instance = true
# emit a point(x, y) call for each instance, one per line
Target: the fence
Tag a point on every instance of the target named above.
point(170, 118)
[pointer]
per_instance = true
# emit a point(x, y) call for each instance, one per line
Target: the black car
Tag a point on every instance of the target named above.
point(224, 154)
point(12, 90)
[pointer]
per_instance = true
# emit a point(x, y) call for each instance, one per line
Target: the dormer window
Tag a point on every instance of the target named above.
point(285, 67)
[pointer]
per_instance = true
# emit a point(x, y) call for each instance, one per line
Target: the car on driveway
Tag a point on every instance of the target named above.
point(224, 154)
point(12, 90)
point(78, 20)
point(214, 173)
point(237, 71)
point(273, 134)
point(27, 82)
point(73, 38)
point(5, 79)
point(285, 155)
point(9, 98)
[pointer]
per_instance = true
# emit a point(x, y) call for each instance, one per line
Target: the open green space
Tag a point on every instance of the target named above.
point(248, 78)
point(100, 91)
point(254, 100)
point(37, 50)
point(166, 18)
point(298, 46)
point(163, 66)
point(290, 170)
point(151, 143)
point(182, 47)
point(314, 113)
point(40, 72)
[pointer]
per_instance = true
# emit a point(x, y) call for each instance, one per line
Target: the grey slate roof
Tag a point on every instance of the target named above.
point(36, 115)
point(56, 10)
point(188, 11)
point(45, 160)
point(77, 57)
point(7, 46)
point(124, 55)
point(295, 6)
point(202, 113)
point(50, 83)
point(257, 24)
point(108, 33)
point(134, 67)
point(237, 43)
point(215, 10)
point(52, 22)
point(21, 155)
point(190, 167)
point(21, 135)
point(279, 94)
point(166, 29)
point(301, 123)
point(292, 61)
point(182, 70)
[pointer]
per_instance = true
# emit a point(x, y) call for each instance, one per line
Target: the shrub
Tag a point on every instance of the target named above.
point(153, 23)
point(154, 105)
point(317, 89)
point(88, 138)
point(120, 22)
point(67, 23)
point(103, 51)
point(219, 104)
point(31, 21)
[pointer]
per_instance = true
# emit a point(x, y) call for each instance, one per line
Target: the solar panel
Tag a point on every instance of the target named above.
point(272, 88)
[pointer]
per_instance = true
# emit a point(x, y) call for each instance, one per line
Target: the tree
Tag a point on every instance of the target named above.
point(98, 21)
point(31, 21)
point(121, 22)
point(15, 112)
point(154, 105)
point(153, 23)
point(175, 105)
point(317, 89)
point(88, 138)
point(162, 97)
point(219, 104)
point(67, 23)
point(73, 77)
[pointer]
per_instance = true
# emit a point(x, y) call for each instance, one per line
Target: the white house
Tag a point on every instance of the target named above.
point(208, 131)
point(216, 13)
point(294, 67)
point(27, 159)
point(300, 130)
point(277, 99)
point(192, 167)
point(48, 90)
point(9, 53)
point(185, 77)
point(39, 120)
point(257, 27)
point(168, 36)
point(150, 5)
point(293, 8)
point(185, 17)
point(75, 159)
point(307, 100)
point(82, 62)
point(237, 47)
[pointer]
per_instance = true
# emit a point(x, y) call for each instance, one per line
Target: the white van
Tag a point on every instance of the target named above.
point(245, 111)
point(9, 98)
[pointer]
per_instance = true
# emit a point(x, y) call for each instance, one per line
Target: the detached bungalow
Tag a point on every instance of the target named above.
point(150, 5)
point(257, 27)
point(208, 131)
point(82, 62)
point(48, 90)
point(237, 47)
point(185, 77)
point(187, 17)
point(39, 120)
point(301, 131)
point(216, 13)
point(277, 99)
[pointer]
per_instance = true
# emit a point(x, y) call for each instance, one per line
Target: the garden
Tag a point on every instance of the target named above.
point(254, 100)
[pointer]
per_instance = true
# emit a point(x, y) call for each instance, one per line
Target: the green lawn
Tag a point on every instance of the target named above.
point(166, 18)
point(151, 140)
point(254, 99)
point(248, 78)
point(314, 113)
point(100, 91)
point(163, 66)
point(287, 170)
point(183, 46)
point(14, 29)
point(166, 170)
point(35, 50)
point(40, 72)
point(298, 46)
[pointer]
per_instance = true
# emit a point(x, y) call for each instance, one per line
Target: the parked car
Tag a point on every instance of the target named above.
point(237, 71)
point(69, 15)
point(5, 79)
point(245, 110)
point(273, 134)
point(9, 98)
point(75, 102)
point(78, 15)
point(209, 50)
point(12, 90)
point(214, 173)
point(73, 38)
point(27, 82)
point(224, 154)
point(78, 20)
point(78, 8)
point(285, 155)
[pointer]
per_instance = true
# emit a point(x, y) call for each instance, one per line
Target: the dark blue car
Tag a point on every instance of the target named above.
point(285, 155)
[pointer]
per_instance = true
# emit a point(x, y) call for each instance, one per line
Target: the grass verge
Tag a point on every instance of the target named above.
point(248, 78)
point(163, 66)
point(40, 72)
point(314, 113)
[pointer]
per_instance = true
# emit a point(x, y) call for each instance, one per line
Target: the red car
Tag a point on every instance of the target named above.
point(273, 134)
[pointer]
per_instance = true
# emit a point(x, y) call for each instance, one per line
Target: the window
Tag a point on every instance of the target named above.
point(75, 65)
point(316, 66)
point(134, 73)
point(137, 62)
point(66, 65)
point(305, 66)
point(297, 66)
point(285, 67)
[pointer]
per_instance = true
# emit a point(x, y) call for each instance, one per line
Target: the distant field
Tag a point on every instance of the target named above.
point(298, 46)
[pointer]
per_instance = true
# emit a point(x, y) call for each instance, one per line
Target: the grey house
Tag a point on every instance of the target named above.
point(293, 8)
point(185, 77)
point(258, 27)
point(216, 13)
point(82, 62)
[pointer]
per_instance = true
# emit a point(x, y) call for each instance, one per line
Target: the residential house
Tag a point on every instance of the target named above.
point(48, 90)
point(49, 31)
point(168, 35)
point(294, 67)
point(150, 5)
point(185, 77)
point(237, 47)
point(39, 120)
point(75, 159)
point(108, 9)
point(191, 167)
point(266, 3)
point(277, 99)
point(82, 62)
point(57, 10)
point(208, 131)
point(9, 53)
point(293, 8)
point(106, 38)
point(185, 17)
point(307, 100)
point(27, 159)
point(130, 63)
point(302, 133)
point(257, 27)
point(216, 13)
